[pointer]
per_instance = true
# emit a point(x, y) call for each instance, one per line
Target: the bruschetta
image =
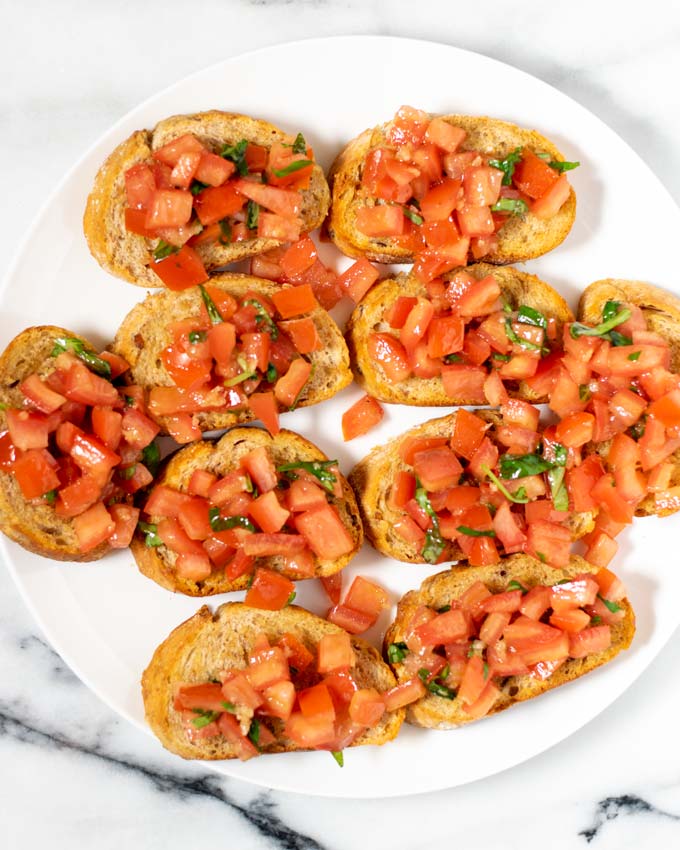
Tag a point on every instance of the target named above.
point(470, 643)
point(440, 191)
point(232, 350)
point(243, 682)
point(473, 336)
point(74, 447)
point(174, 203)
point(218, 510)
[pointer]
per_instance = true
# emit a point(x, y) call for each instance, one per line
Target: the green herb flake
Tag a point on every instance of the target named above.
point(300, 144)
point(611, 606)
point(271, 375)
point(434, 542)
point(485, 671)
point(505, 358)
point(50, 497)
point(519, 497)
point(339, 757)
point(528, 316)
point(225, 237)
point(473, 532)
point(542, 557)
point(204, 717)
point(262, 318)
point(320, 469)
point(637, 430)
point(596, 620)
point(222, 523)
point(440, 690)
point(443, 609)
point(237, 154)
point(291, 598)
point(197, 336)
point(93, 362)
point(292, 167)
point(150, 529)
point(252, 215)
point(513, 206)
point(635, 355)
point(515, 585)
point(612, 316)
point(254, 732)
point(127, 472)
point(164, 249)
point(396, 652)
point(562, 166)
point(211, 308)
point(452, 358)
point(227, 706)
point(507, 165)
point(413, 216)
point(584, 392)
point(424, 675)
point(618, 339)
point(197, 187)
point(518, 340)
point(151, 457)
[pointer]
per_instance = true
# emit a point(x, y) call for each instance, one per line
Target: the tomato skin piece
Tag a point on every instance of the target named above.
point(289, 386)
point(390, 354)
point(363, 415)
point(269, 590)
point(181, 270)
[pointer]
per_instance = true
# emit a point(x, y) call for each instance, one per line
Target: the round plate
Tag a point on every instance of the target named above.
point(105, 619)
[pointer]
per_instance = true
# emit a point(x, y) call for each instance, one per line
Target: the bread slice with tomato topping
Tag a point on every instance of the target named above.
point(421, 165)
point(220, 510)
point(437, 641)
point(63, 492)
point(415, 343)
point(644, 453)
point(439, 468)
point(201, 649)
point(157, 341)
point(197, 161)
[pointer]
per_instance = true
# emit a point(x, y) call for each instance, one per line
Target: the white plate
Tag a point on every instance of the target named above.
point(105, 619)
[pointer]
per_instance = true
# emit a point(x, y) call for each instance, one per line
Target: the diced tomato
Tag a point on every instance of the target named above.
point(576, 429)
point(171, 152)
point(279, 700)
point(667, 409)
point(467, 434)
point(572, 621)
point(485, 458)
point(590, 641)
point(194, 518)
point(389, 353)
point(295, 300)
point(465, 384)
point(125, 518)
point(135, 222)
point(536, 602)
point(573, 594)
point(264, 408)
point(266, 545)
point(27, 430)
point(404, 694)
point(169, 208)
point(194, 566)
point(81, 385)
point(207, 697)
point(474, 680)
point(416, 324)
point(93, 527)
point(299, 257)
point(40, 395)
point(289, 386)
point(269, 590)
point(361, 417)
point(332, 586)
point(549, 540)
point(325, 533)
point(137, 429)
point(296, 652)
point(140, 186)
point(303, 333)
point(437, 468)
point(533, 176)
point(445, 135)
point(283, 202)
point(606, 496)
point(358, 279)
point(181, 270)
point(367, 597)
point(354, 622)
point(76, 497)
point(380, 220)
point(259, 465)
point(214, 204)
point(484, 703)
point(550, 203)
point(440, 200)
point(445, 336)
point(335, 652)
point(449, 627)
point(268, 513)
point(482, 185)
point(182, 428)
point(164, 501)
point(309, 732)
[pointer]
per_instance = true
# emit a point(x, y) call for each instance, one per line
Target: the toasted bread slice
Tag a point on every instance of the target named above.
point(520, 239)
point(144, 334)
point(206, 644)
point(372, 479)
point(435, 712)
point(219, 458)
point(35, 525)
point(128, 255)
point(662, 313)
point(518, 288)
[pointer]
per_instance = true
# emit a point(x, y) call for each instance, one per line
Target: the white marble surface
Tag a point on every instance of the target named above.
point(75, 775)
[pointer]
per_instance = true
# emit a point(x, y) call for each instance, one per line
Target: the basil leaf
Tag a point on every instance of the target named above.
point(396, 652)
point(558, 490)
point(434, 543)
point(577, 329)
point(505, 358)
point(164, 249)
point(196, 188)
point(452, 358)
point(228, 706)
point(93, 362)
point(443, 609)
point(320, 469)
point(514, 206)
point(519, 497)
point(637, 430)
point(239, 379)
point(610, 309)
point(562, 165)
point(291, 598)
point(127, 472)
point(619, 339)
point(518, 340)
point(151, 457)
point(596, 620)
point(485, 671)
point(339, 757)
point(254, 732)
point(262, 317)
point(197, 336)
point(611, 606)
point(50, 497)
point(252, 215)
point(528, 316)
point(473, 532)
point(150, 529)
point(299, 145)
point(635, 355)
point(297, 165)
point(521, 466)
point(413, 216)
point(237, 154)
point(515, 585)
point(204, 717)
point(213, 313)
point(440, 690)
point(584, 392)
point(423, 675)
point(221, 523)
point(225, 232)
point(507, 165)
point(271, 375)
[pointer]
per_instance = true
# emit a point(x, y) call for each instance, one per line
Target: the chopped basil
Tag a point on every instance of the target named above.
point(151, 457)
point(150, 530)
point(507, 165)
point(291, 598)
point(271, 375)
point(262, 318)
point(423, 675)
point(529, 316)
point(519, 497)
point(237, 154)
point(637, 430)
point(339, 757)
point(596, 620)
point(434, 542)
point(252, 215)
point(225, 232)
point(129, 401)
point(297, 165)
point(299, 145)
point(452, 358)
point(474, 532)
point(560, 165)
point(514, 206)
point(610, 309)
point(440, 690)
point(515, 585)
point(518, 340)
point(413, 216)
point(50, 497)
point(635, 355)
point(228, 706)
point(542, 557)
point(197, 187)
point(127, 472)
point(505, 358)
point(544, 156)
point(221, 523)
point(485, 671)
point(254, 732)
point(93, 362)
point(204, 717)
point(164, 249)
point(558, 490)
point(239, 379)
point(320, 469)
point(396, 652)
point(213, 313)
point(522, 466)
point(619, 339)
point(584, 392)
point(443, 609)
point(197, 336)
point(611, 606)
point(613, 314)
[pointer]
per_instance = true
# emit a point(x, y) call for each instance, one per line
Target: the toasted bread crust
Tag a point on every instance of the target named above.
point(219, 458)
point(128, 255)
point(520, 239)
point(662, 312)
point(518, 288)
point(203, 646)
point(437, 713)
point(372, 479)
point(34, 526)
point(144, 334)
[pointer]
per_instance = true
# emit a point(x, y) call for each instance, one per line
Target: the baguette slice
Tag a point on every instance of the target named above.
point(520, 239)
point(435, 712)
point(127, 255)
point(662, 312)
point(219, 458)
point(33, 525)
point(144, 334)
point(518, 288)
point(200, 648)
point(372, 479)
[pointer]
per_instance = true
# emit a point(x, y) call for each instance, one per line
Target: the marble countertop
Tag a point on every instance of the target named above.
point(75, 774)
